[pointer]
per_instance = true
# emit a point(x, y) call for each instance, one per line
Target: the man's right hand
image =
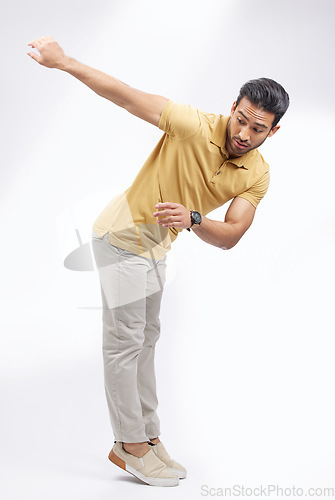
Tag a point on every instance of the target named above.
point(51, 54)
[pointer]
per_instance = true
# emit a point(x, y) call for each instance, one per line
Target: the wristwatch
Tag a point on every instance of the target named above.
point(195, 219)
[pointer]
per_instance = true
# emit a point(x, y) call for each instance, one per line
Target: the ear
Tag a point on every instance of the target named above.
point(273, 130)
point(233, 108)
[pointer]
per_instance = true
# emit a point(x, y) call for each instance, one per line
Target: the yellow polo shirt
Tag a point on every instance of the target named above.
point(189, 165)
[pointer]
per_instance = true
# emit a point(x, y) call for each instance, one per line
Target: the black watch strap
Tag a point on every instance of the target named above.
point(192, 222)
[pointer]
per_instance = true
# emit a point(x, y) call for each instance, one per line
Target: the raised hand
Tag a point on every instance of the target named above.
point(51, 54)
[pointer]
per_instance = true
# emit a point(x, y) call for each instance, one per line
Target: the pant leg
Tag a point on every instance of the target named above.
point(146, 379)
point(123, 278)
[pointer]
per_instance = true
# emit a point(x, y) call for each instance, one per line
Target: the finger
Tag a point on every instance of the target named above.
point(35, 44)
point(166, 205)
point(172, 224)
point(163, 213)
point(170, 211)
point(160, 213)
point(166, 220)
point(33, 56)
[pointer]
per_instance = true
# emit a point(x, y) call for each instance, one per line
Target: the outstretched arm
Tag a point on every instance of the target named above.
point(148, 107)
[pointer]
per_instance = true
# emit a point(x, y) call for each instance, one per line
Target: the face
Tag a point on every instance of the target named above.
point(248, 127)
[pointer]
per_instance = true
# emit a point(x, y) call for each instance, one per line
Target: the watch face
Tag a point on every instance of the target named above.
point(196, 217)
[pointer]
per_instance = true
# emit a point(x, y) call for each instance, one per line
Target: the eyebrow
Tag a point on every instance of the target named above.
point(258, 124)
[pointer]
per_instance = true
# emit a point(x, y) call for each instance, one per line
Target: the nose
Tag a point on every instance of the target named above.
point(244, 134)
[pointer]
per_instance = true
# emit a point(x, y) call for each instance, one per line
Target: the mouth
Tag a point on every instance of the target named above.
point(240, 145)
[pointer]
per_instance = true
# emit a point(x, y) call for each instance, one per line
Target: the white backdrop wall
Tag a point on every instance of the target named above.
point(245, 364)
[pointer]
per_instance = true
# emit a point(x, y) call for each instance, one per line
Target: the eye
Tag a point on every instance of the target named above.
point(239, 120)
point(258, 130)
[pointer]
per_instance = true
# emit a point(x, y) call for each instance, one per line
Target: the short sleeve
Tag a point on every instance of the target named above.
point(179, 120)
point(256, 192)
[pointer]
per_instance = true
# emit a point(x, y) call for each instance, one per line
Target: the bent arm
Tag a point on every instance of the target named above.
point(225, 235)
point(146, 106)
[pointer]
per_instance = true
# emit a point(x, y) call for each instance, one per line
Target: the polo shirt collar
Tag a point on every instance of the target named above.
point(219, 139)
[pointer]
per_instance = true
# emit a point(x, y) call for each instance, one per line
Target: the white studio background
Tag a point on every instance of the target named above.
point(245, 364)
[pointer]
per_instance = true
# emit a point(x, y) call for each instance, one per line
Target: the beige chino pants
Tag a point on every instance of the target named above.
point(131, 290)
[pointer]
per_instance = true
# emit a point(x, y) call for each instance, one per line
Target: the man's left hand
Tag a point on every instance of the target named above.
point(173, 215)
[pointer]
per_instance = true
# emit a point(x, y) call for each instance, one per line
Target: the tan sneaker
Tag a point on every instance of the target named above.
point(163, 455)
point(149, 468)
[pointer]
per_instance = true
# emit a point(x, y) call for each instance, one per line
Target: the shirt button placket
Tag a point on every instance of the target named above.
point(218, 172)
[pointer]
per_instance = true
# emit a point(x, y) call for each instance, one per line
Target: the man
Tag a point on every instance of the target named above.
point(201, 161)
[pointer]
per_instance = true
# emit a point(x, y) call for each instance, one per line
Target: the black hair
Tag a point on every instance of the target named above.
point(267, 95)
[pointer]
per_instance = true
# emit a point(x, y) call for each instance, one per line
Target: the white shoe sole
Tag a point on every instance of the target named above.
point(152, 481)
